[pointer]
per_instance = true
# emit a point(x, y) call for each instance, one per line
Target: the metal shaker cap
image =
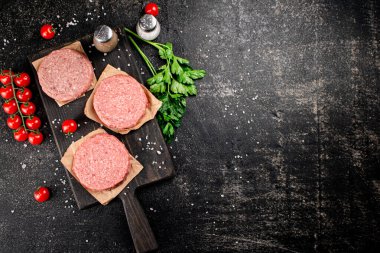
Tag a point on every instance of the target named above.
point(147, 22)
point(103, 33)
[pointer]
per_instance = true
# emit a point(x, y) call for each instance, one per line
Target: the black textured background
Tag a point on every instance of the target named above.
point(279, 152)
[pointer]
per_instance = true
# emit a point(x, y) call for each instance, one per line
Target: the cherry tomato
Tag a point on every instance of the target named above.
point(20, 134)
point(10, 107)
point(24, 95)
point(47, 32)
point(6, 92)
point(5, 77)
point(69, 126)
point(28, 108)
point(22, 80)
point(33, 123)
point(35, 138)
point(41, 194)
point(152, 9)
point(14, 122)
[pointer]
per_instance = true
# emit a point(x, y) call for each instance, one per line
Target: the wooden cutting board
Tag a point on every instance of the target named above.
point(146, 144)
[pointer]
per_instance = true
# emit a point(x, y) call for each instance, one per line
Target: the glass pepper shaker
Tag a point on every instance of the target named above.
point(148, 27)
point(105, 39)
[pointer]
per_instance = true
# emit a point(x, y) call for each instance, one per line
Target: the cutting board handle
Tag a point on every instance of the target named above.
point(142, 234)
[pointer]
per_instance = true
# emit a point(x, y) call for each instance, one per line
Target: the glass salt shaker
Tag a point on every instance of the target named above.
point(105, 39)
point(148, 27)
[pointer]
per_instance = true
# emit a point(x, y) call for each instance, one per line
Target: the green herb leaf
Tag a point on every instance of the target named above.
point(155, 79)
point(169, 45)
point(196, 73)
point(162, 54)
point(177, 87)
point(191, 89)
point(184, 78)
point(158, 88)
point(176, 68)
point(182, 60)
point(169, 53)
point(167, 76)
point(168, 131)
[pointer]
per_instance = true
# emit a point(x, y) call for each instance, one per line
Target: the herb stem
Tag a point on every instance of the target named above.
point(154, 44)
point(145, 58)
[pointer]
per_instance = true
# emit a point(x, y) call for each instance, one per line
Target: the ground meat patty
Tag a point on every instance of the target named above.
point(120, 101)
point(65, 74)
point(101, 162)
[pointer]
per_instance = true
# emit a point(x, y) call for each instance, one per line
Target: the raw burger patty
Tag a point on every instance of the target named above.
point(101, 162)
point(120, 101)
point(65, 74)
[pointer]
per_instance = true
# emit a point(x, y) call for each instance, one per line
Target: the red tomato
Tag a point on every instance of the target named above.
point(152, 9)
point(5, 77)
point(41, 194)
point(21, 134)
point(47, 31)
point(69, 126)
point(33, 123)
point(10, 107)
point(28, 108)
point(6, 92)
point(22, 80)
point(14, 122)
point(35, 138)
point(24, 95)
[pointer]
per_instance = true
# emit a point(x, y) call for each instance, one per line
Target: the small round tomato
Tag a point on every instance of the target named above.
point(14, 122)
point(5, 77)
point(6, 92)
point(69, 126)
point(10, 107)
point(20, 134)
point(152, 9)
point(22, 80)
point(41, 194)
point(24, 95)
point(47, 31)
point(33, 123)
point(28, 108)
point(35, 138)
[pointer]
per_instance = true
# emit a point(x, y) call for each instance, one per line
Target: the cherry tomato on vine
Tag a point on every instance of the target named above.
point(152, 9)
point(10, 107)
point(33, 122)
point(35, 138)
point(5, 77)
point(6, 92)
point(28, 108)
point(14, 122)
point(24, 95)
point(22, 80)
point(69, 126)
point(41, 194)
point(47, 31)
point(20, 134)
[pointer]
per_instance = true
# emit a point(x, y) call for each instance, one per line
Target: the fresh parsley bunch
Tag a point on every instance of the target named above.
point(172, 83)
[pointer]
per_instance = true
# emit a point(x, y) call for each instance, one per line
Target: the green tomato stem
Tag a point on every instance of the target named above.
point(17, 102)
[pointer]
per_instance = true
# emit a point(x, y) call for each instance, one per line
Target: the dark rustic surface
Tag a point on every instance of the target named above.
point(279, 152)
